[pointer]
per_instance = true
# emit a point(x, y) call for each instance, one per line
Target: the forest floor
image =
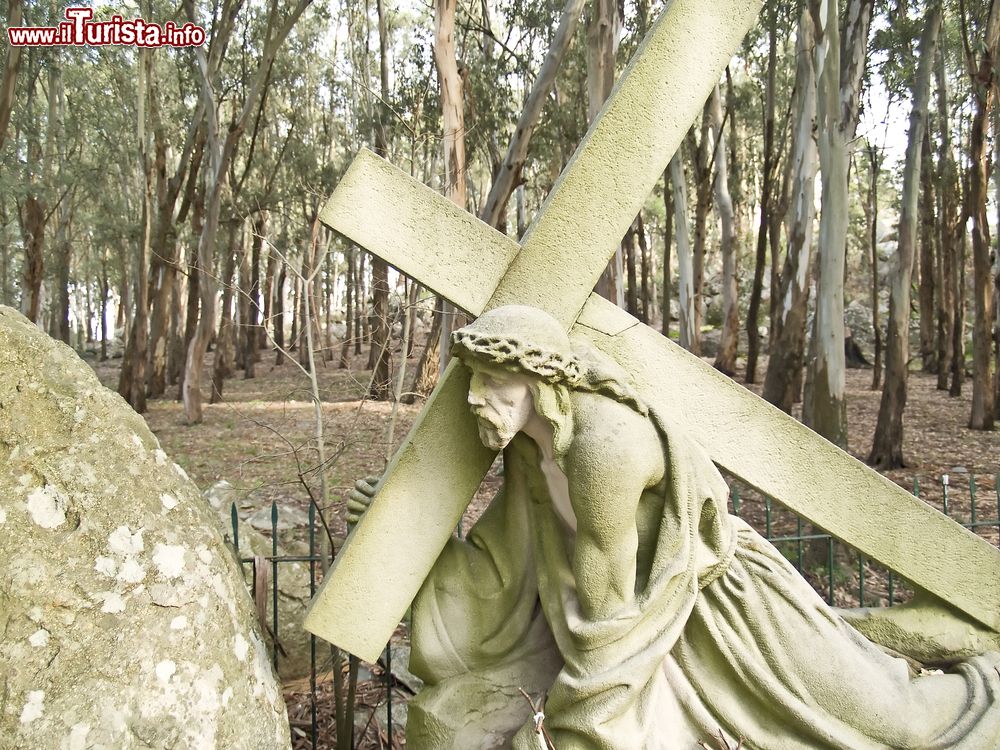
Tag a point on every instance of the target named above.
point(261, 439)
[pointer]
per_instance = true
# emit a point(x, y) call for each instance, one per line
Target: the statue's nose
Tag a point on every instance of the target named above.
point(476, 399)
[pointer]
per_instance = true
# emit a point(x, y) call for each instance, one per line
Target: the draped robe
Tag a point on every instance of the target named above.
point(722, 634)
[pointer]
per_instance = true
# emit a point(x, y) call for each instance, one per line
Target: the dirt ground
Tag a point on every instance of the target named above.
point(262, 439)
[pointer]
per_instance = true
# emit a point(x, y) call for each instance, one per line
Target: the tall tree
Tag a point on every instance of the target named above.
point(132, 380)
point(381, 386)
point(875, 171)
point(510, 174)
point(947, 201)
point(725, 360)
point(887, 446)
point(219, 153)
point(12, 64)
point(983, 77)
point(453, 117)
point(603, 27)
point(840, 72)
point(928, 290)
point(766, 190)
point(685, 261)
point(781, 383)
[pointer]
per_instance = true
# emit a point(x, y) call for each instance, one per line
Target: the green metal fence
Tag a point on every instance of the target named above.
point(839, 573)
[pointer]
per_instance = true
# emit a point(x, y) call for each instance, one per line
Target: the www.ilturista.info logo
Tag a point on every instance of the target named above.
point(80, 30)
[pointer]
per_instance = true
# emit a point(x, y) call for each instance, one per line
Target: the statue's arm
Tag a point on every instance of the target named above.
point(616, 455)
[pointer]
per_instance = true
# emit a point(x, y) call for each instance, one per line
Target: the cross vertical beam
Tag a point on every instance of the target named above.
point(440, 465)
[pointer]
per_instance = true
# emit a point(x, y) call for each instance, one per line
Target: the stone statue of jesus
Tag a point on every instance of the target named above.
point(608, 577)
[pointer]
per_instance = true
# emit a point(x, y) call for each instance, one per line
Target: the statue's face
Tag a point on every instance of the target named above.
point(502, 403)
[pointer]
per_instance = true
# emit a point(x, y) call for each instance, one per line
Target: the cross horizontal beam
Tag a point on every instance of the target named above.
point(746, 436)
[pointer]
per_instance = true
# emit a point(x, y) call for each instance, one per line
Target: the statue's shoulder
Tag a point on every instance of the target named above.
point(609, 435)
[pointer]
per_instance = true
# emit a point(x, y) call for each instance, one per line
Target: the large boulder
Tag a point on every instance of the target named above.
point(124, 620)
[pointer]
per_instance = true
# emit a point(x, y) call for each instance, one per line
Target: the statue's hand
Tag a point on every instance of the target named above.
point(360, 499)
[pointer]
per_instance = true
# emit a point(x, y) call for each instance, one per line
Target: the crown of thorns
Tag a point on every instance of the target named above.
point(514, 353)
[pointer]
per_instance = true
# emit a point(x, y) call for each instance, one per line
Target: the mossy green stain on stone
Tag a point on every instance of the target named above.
point(72, 587)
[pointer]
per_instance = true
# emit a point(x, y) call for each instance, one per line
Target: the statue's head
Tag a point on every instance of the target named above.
point(523, 362)
point(518, 356)
point(519, 339)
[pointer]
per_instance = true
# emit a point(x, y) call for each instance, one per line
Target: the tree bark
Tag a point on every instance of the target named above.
point(132, 380)
point(927, 289)
point(668, 237)
point(603, 27)
point(984, 76)
point(509, 175)
point(839, 87)
point(725, 360)
point(452, 109)
point(947, 188)
point(887, 446)
point(702, 206)
point(222, 362)
point(783, 378)
point(766, 188)
point(631, 289)
point(685, 263)
point(8, 83)
point(252, 332)
point(875, 165)
point(219, 156)
point(381, 387)
point(645, 270)
point(278, 315)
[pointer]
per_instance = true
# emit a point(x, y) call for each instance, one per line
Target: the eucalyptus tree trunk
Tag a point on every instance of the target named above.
point(603, 27)
point(380, 387)
point(222, 362)
point(782, 381)
point(725, 360)
point(928, 289)
point(105, 289)
point(34, 214)
point(509, 175)
point(164, 249)
point(958, 297)
point(132, 380)
point(947, 188)
point(278, 315)
point(685, 263)
point(219, 154)
point(875, 166)
point(631, 287)
point(452, 98)
point(349, 283)
point(8, 80)
point(766, 188)
point(647, 289)
point(996, 271)
point(983, 87)
point(192, 310)
point(702, 206)
point(839, 87)
point(668, 237)
point(251, 334)
point(887, 447)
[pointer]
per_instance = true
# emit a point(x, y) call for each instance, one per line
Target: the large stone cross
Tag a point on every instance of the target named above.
point(435, 473)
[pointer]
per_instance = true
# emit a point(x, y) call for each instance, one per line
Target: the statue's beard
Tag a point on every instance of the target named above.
point(493, 433)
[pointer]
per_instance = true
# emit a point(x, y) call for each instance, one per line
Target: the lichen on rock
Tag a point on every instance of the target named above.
point(119, 603)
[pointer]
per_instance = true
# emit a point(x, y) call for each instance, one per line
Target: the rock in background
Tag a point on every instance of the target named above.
point(124, 620)
point(293, 579)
